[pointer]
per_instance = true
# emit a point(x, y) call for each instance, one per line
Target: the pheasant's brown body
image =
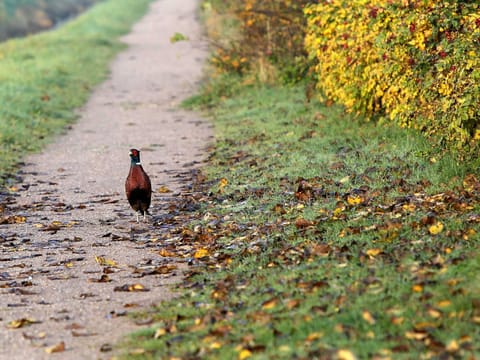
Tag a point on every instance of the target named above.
point(138, 186)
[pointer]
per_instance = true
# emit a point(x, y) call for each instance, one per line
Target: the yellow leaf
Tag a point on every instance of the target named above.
point(354, 199)
point(137, 351)
point(367, 316)
point(222, 183)
point(136, 287)
point(409, 207)
point(337, 211)
point(200, 253)
point(417, 288)
point(15, 324)
point(373, 252)
point(343, 354)
point(444, 303)
point(159, 333)
point(163, 189)
point(244, 354)
point(434, 313)
point(314, 336)
point(416, 335)
point(270, 304)
point(55, 348)
point(216, 345)
point(436, 228)
point(102, 261)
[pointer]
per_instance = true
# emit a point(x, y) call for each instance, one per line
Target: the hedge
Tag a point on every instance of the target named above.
point(416, 62)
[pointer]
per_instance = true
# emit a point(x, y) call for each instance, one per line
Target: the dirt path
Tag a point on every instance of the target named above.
point(71, 208)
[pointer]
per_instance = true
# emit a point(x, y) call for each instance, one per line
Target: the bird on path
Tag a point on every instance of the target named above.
point(138, 186)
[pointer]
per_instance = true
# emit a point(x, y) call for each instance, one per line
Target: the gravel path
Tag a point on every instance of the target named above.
point(74, 250)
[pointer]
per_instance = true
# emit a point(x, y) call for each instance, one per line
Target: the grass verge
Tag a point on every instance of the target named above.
point(44, 78)
point(315, 236)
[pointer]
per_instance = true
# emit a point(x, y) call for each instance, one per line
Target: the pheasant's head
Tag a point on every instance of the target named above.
point(135, 156)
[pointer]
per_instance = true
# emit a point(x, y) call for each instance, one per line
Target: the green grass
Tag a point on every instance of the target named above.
point(348, 263)
point(44, 78)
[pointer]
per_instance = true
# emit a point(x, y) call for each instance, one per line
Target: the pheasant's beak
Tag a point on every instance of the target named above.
point(130, 153)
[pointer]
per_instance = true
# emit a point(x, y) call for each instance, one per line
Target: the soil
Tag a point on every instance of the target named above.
point(73, 260)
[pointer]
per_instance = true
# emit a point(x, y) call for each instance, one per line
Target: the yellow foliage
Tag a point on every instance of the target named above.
point(416, 63)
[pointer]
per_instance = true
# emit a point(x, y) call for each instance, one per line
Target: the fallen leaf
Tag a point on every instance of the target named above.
point(103, 279)
point(102, 261)
point(82, 334)
point(159, 333)
point(270, 304)
point(373, 252)
point(452, 346)
point(416, 335)
point(55, 348)
point(444, 303)
point(354, 199)
point(303, 223)
point(314, 336)
point(39, 336)
point(417, 288)
point(163, 190)
point(131, 288)
point(343, 354)
point(201, 253)
point(367, 316)
point(222, 183)
point(16, 219)
point(138, 351)
point(166, 253)
point(436, 228)
point(244, 354)
point(16, 324)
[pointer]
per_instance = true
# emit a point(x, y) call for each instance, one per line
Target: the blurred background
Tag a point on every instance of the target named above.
point(22, 17)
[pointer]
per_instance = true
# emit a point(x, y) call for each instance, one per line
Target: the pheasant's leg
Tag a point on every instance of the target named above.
point(144, 216)
point(137, 216)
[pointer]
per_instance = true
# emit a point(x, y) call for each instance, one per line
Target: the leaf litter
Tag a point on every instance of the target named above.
point(60, 261)
point(300, 266)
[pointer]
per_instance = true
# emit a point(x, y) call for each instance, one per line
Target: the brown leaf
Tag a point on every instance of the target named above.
point(279, 209)
point(166, 253)
point(60, 347)
point(103, 279)
point(82, 333)
point(160, 270)
point(73, 326)
point(301, 223)
point(292, 303)
point(131, 288)
point(320, 249)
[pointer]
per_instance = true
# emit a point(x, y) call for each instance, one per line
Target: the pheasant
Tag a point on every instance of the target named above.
point(138, 186)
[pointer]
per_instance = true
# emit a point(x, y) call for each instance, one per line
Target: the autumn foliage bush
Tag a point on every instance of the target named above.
point(269, 41)
point(415, 62)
